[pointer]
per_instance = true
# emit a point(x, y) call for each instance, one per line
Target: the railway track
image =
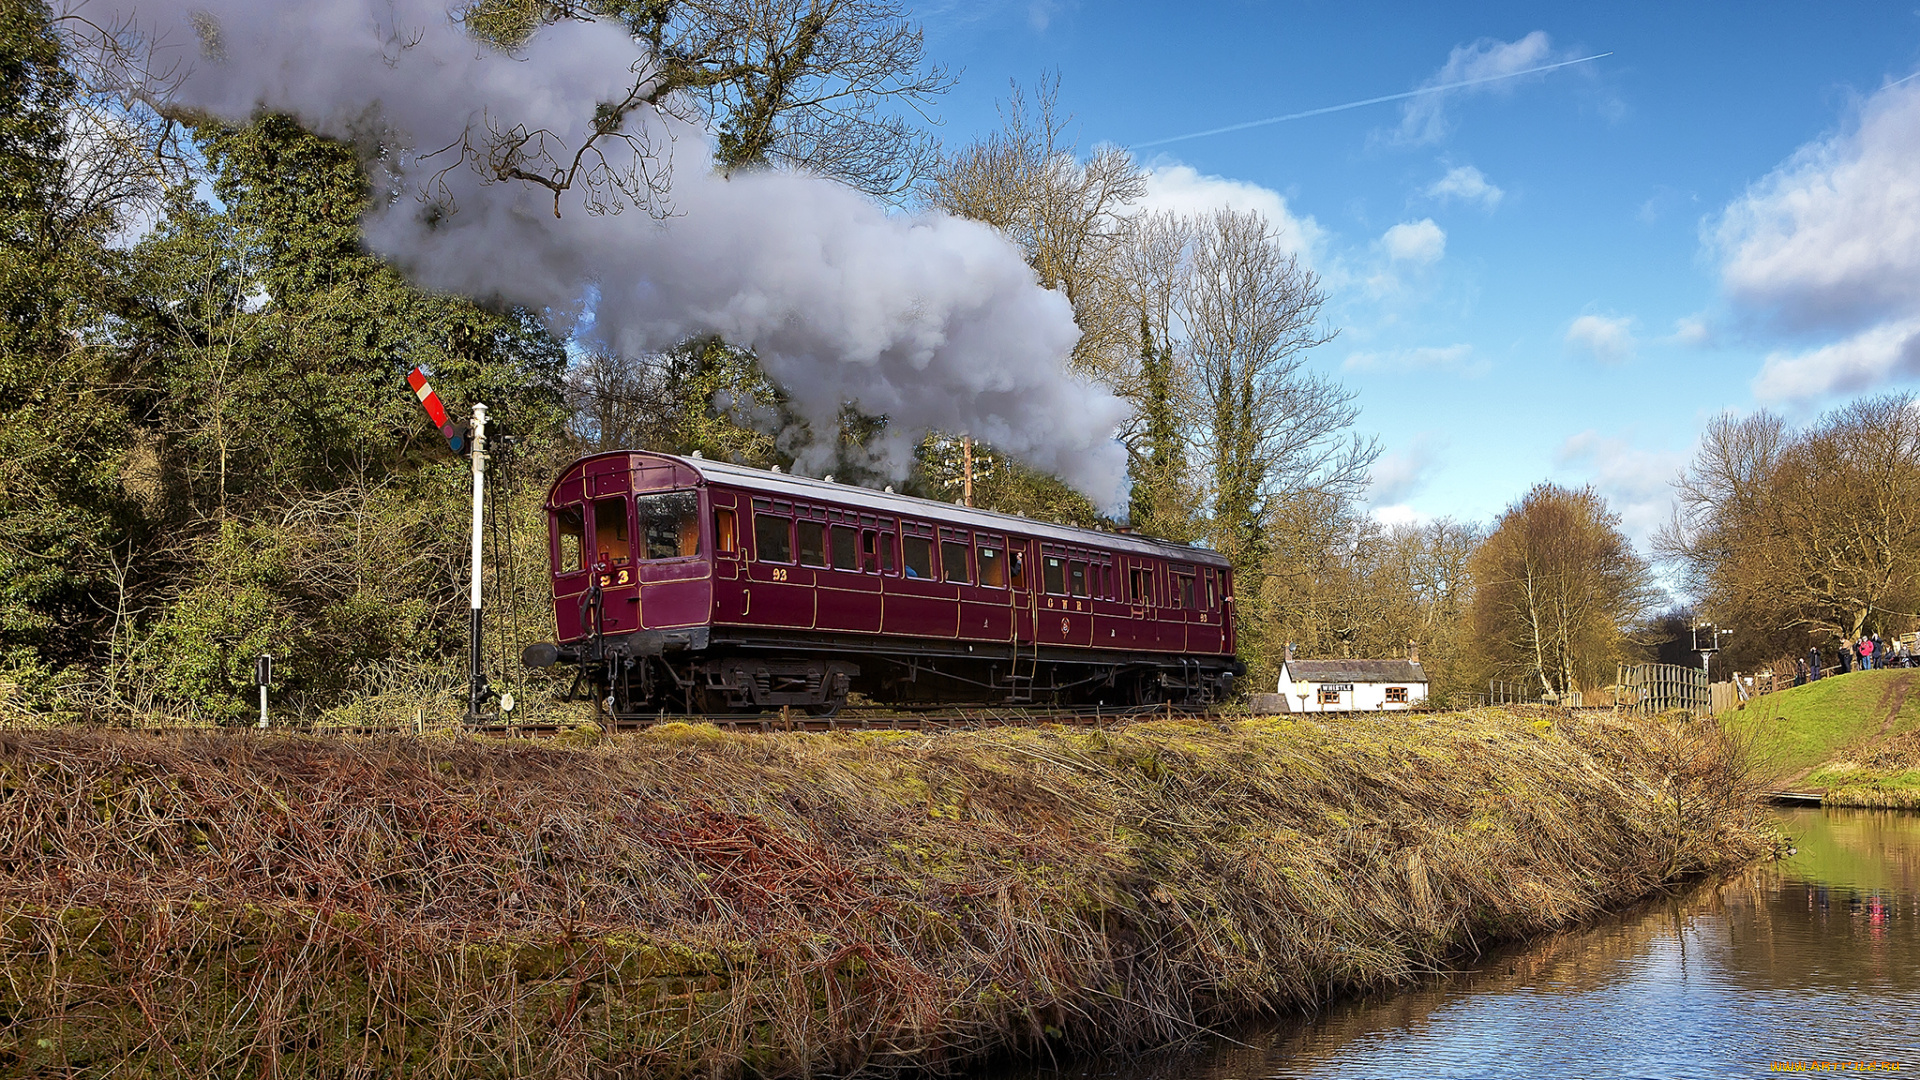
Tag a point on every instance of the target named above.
point(863, 720)
point(853, 720)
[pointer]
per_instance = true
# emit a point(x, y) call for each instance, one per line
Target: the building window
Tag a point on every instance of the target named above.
point(1396, 695)
point(1329, 696)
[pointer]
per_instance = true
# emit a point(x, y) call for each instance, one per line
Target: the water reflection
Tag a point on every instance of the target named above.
point(1813, 959)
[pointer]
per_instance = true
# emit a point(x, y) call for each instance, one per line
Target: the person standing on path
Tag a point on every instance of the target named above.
point(1813, 664)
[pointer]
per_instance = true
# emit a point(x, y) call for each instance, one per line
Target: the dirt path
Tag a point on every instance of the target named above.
point(1892, 699)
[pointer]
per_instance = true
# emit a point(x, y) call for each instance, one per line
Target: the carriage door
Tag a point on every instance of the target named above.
point(610, 519)
point(726, 547)
point(1020, 585)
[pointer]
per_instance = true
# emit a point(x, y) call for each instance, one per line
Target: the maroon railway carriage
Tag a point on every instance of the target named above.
point(682, 584)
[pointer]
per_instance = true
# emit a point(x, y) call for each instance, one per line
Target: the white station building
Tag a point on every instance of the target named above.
point(1351, 685)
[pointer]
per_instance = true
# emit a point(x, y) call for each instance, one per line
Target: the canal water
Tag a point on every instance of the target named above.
point(1810, 964)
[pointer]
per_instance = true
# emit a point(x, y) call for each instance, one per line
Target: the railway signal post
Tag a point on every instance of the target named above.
point(262, 675)
point(477, 690)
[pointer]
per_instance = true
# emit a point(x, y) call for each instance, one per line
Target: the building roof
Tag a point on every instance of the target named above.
point(1356, 671)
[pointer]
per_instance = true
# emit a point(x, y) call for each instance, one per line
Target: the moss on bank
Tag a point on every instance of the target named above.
point(690, 902)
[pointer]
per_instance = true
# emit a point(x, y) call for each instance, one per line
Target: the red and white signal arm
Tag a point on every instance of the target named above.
point(423, 390)
point(459, 436)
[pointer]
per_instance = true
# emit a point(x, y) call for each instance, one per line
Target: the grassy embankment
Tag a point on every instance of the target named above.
point(688, 902)
point(1856, 737)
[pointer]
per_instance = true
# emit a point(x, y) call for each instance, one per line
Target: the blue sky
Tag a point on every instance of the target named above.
point(1559, 276)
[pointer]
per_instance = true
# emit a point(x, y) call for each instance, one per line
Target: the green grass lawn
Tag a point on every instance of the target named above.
point(1842, 734)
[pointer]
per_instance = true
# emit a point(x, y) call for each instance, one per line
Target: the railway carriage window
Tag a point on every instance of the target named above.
point(1053, 574)
point(1212, 601)
point(670, 524)
point(812, 542)
point(1106, 581)
point(846, 547)
point(571, 525)
point(1077, 577)
point(726, 531)
point(918, 556)
point(772, 538)
point(610, 531)
point(1017, 570)
point(1140, 585)
point(993, 568)
point(953, 560)
point(886, 553)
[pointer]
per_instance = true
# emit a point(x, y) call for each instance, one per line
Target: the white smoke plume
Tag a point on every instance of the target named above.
point(933, 321)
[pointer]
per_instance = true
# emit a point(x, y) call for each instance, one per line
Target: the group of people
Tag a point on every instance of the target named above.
point(1865, 654)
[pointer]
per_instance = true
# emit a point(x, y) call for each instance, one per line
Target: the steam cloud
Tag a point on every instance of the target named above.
point(934, 321)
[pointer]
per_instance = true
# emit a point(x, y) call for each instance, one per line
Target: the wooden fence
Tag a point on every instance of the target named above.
point(1654, 688)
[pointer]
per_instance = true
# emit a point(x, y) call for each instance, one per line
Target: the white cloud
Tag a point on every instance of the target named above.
point(1455, 359)
point(1831, 239)
point(1418, 242)
point(1423, 119)
point(1693, 330)
point(1874, 356)
point(1610, 340)
point(1467, 184)
point(1637, 483)
point(1828, 245)
point(1183, 190)
point(1399, 514)
point(1396, 477)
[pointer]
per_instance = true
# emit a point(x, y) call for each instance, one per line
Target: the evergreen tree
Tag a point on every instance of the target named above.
point(64, 519)
point(1159, 505)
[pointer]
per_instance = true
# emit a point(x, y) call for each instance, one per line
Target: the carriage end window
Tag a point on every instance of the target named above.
point(570, 526)
point(610, 531)
point(772, 538)
point(670, 524)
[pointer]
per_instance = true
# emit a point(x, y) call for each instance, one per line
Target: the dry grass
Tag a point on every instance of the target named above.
point(687, 902)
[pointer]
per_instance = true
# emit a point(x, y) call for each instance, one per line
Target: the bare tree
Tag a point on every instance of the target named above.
point(1274, 429)
point(1072, 218)
point(1556, 588)
point(1806, 533)
point(832, 87)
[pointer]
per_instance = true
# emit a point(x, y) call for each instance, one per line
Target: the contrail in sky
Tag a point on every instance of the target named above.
point(1370, 101)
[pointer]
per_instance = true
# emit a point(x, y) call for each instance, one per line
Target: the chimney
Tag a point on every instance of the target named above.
point(1413, 652)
